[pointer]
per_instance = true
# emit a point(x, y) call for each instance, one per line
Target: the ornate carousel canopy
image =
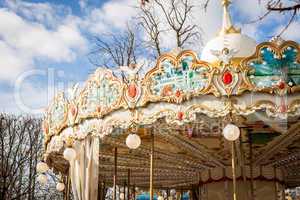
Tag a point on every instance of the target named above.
point(184, 102)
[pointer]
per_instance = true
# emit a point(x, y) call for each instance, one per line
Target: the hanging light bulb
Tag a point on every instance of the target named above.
point(69, 154)
point(231, 132)
point(42, 167)
point(133, 141)
point(42, 179)
point(122, 196)
point(60, 187)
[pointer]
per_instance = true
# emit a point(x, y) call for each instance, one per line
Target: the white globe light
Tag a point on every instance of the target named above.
point(231, 132)
point(70, 154)
point(42, 167)
point(160, 198)
point(42, 179)
point(122, 196)
point(133, 141)
point(60, 187)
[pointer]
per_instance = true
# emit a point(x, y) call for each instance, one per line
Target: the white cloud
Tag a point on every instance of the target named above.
point(291, 33)
point(30, 99)
point(209, 21)
point(250, 9)
point(83, 3)
point(11, 61)
point(23, 41)
point(112, 15)
point(45, 13)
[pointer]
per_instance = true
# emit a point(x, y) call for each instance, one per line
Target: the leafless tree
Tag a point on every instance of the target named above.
point(20, 150)
point(173, 17)
point(115, 49)
point(178, 14)
point(152, 26)
point(280, 7)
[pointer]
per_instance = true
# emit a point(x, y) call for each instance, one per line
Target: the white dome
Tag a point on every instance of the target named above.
point(242, 44)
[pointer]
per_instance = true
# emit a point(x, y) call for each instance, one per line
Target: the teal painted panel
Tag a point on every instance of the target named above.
point(182, 78)
point(270, 69)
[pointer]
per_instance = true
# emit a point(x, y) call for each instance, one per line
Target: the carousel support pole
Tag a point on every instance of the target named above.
point(251, 167)
point(275, 184)
point(99, 190)
point(68, 187)
point(103, 191)
point(124, 187)
point(133, 192)
point(99, 193)
point(151, 166)
point(168, 193)
point(65, 180)
point(115, 174)
point(233, 170)
point(181, 194)
point(119, 190)
point(199, 186)
point(128, 184)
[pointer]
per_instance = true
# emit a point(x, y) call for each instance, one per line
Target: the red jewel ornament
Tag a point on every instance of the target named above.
point(98, 109)
point(46, 128)
point(283, 109)
point(180, 115)
point(227, 78)
point(73, 110)
point(132, 90)
point(281, 85)
point(178, 93)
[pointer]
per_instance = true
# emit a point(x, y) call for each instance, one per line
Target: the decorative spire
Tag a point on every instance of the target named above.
point(227, 26)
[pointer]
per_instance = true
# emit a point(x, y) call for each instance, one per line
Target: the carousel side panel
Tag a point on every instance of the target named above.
point(56, 117)
point(274, 68)
point(102, 94)
point(175, 79)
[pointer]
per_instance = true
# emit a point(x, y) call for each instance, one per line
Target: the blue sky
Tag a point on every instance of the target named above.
point(44, 43)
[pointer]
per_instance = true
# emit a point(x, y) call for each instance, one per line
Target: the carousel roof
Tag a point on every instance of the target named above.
point(229, 37)
point(185, 102)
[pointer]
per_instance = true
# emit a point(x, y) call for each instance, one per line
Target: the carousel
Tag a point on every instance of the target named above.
point(223, 126)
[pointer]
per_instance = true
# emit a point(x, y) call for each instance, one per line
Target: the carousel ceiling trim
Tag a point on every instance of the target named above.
point(172, 113)
point(284, 160)
point(184, 143)
point(145, 149)
point(292, 134)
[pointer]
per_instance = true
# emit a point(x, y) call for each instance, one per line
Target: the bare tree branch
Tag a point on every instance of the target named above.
point(115, 49)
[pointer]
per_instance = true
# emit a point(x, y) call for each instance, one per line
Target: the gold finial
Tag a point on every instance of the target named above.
point(227, 26)
point(226, 3)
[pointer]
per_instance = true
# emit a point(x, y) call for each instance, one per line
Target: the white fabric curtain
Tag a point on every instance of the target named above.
point(84, 169)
